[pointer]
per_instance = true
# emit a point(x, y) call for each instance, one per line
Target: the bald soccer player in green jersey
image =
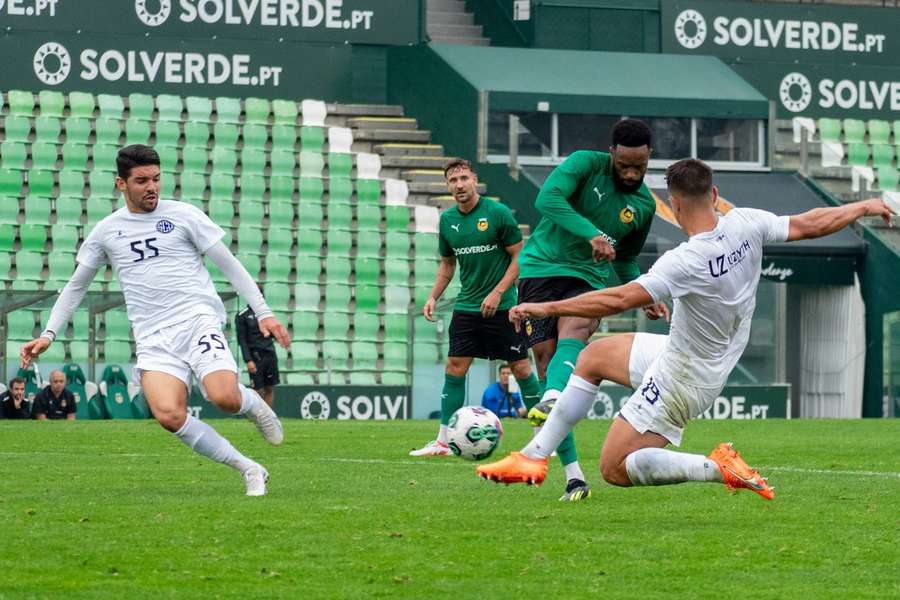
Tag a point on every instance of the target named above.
point(596, 213)
point(484, 238)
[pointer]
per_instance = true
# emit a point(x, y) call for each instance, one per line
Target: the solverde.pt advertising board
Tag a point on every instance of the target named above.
point(734, 402)
point(826, 60)
point(334, 21)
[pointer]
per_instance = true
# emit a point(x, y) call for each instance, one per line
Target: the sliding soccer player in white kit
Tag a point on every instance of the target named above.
point(712, 279)
point(156, 248)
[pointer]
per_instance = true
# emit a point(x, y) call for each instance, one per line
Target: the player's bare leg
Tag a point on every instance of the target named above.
point(266, 392)
point(223, 389)
point(452, 397)
point(166, 396)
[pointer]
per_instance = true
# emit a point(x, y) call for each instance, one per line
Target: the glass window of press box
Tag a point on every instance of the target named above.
point(545, 138)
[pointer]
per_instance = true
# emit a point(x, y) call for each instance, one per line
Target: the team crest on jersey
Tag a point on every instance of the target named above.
point(627, 214)
point(482, 224)
point(528, 328)
point(165, 226)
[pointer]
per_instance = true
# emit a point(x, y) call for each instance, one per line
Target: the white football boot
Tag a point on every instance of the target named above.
point(268, 423)
point(255, 478)
point(433, 448)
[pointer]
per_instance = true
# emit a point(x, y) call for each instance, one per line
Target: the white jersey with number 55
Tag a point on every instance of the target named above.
point(158, 259)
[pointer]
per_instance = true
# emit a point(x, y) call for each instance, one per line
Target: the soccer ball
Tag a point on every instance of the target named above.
point(474, 433)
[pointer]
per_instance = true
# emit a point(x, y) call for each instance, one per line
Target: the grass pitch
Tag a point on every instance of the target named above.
point(121, 509)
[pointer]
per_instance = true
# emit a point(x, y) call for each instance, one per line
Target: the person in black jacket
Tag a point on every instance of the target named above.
point(258, 352)
point(54, 401)
point(13, 404)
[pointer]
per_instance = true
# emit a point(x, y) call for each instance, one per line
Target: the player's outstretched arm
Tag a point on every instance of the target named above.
point(599, 303)
point(245, 286)
point(820, 222)
point(442, 279)
point(65, 305)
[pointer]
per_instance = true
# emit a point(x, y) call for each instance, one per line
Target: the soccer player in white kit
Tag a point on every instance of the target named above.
point(712, 279)
point(156, 248)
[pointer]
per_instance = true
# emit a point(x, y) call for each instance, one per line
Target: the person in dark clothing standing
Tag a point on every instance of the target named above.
point(258, 352)
point(12, 402)
point(54, 401)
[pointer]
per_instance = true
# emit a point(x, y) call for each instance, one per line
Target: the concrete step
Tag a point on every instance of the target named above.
point(454, 31)
point(446, 6)
point(469, 41)
point(401, 149)
point(382, 123)
point(424, 176)
point(393, 135)
point(413, 162)
point(374, 110)
point(450, 18)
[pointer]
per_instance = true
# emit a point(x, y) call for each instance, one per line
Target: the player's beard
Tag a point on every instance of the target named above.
point(624, 186)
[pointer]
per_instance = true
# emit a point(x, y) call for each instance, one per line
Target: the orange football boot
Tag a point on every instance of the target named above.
point(515, 468)
point(738, 474)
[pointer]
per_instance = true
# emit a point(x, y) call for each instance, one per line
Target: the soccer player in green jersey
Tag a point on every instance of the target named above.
point(596, 213)
point(484, 238)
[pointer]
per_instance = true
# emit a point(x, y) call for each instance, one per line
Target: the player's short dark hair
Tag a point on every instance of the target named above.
point(689, 177)
point(503, 366)
point(631, 133)
point(136, 155)
point(14, 381)
point(456, 163)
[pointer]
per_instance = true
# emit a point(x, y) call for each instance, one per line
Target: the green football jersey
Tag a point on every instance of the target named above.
point(577, 202)
point(478, 240)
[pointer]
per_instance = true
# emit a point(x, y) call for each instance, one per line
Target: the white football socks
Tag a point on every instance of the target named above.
point(206, 441)
point(250, 399)
point(657, 466)
point(573, 471)
point(572, 406)
point(443, 436)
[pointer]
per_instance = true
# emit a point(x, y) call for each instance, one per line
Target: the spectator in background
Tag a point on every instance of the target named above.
point(498, 399)
point(54, 401)
point(258, 352)
point(12, 401)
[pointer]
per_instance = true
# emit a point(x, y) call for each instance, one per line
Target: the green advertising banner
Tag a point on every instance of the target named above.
point(121, 65)
point(344, 403)
point(332, 21)
point(735, 402)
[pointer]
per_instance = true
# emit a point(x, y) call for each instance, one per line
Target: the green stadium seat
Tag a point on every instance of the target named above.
point(280, 239)
point(5, 265)
point(221, 211)
point(65, 238)
point(251, 262)
point(140, 106)
point(426, 244)
point(829, 130)
point(888, 179)
point(98, 208)
point(75, 156)
point(336, 326)
point(9, 210)
point(340, 189)
point(253, 161)
point(256, 110)
point(361, 377)
point(224, 160)
point(81, 104)
point(368, 217)
point(282, 162)
point(339, 164)
point(309, 267)
point(284, 138)
point(284, 112)
point(368, 270)
point(425, 269)
point(117, 352)
point(198, 109)
point(169, 107)
point(228, 110)
point(221, 186)
point(281, 188)
point(307, 296)
point(426, 353)
point(111, 106)
point(311, 164)
point(168, 158)
point(20, 102)
point(78, 130)
point(167, 186)
point(339, 215)
point(7, 237)
point(337, 269)
point(102, 182)
point(858, 154)
point(117, 325)
point(365, 326)
point(854, 131)
point(255, 136)
point(16, 128)
point(304, 356)
point(311, 214)
point(338, 242)
point(394, 378)
point(421, 293)
point(395, 356)
point(368, 245)
point(309, 240)
point(225, 135)
point(281, 213)
point(252, 212)
point(194, 158)
point(168, 133)
point(879, 131)
point(336, 354)
point(253, 188)
point(337, 297)
point(37, 210)
point(196, 135)
point(882, 155)
point(368, 191)
point(365, 355)
point(21, 324)
point(10, 182)
point(107, 131)
point(305, 325)
point(13, 155)
point(396, 327)
point(367, 298)
point(61, 266)
point(397, 244)
point(312, 138)
point(29, 265)
point(278, 266)
point(43, 155)
point(47, 129)
point(396, 272)
point(33, 236)
point(249, 237)
point(56, 353)
point(68, 210)
point(278, 295)
point(52, 103)
point(104, 157)
point(137, 132)
point(396, 300)
point(311, 189)
point(397, 217)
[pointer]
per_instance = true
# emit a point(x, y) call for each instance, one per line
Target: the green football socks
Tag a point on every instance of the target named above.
point(531, 390)
point(452, 397)
point(558, 372)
